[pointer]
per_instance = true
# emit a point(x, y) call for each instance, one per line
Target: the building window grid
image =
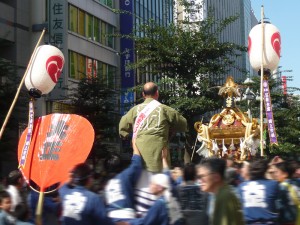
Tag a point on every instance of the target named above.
point(81, 22)
point(157, 10)
point(89, 26)
point(161, 12)
point(86, 25)
point(73, 18)
point(109, 3)
point(81, 66)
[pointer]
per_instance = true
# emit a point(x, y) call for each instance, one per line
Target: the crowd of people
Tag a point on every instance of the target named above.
point(149, 191)
point(215, 191)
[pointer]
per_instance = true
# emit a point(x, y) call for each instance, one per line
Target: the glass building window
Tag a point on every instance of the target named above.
point(110, 38)
point(103, 33)
point(73, 73)
point(73, 15)
point(89, 68)
point(104, 73)
point(109, 3)
point(89, 26)
point(96, 30)
point(81, 22)
point(81, 66)
point(111, 77)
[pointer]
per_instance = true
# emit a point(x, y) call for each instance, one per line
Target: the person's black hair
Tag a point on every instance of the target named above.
point(4, 194)
point(13, 177)
point(81, 174)
point(189, 172)
point(150, 91)
point(294, 165)
point(231, 176)
point(214, 165)
point(257, 169)
point(22, 212)
point(286, 167)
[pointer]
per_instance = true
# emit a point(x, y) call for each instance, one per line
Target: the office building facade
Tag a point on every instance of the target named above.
point(236, 32)
point(83, 30)
point(80, 29)
point(138, 12)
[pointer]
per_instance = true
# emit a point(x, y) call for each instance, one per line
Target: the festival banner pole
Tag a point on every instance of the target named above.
point(264, 47)
point(20, 86)
point(261, 84)
point(39, 208)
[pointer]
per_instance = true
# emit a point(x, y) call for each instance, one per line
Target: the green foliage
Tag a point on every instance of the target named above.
point(286, 115)
point(187, 60)
point(94, 100)
point(9, 82)
point(287, 123)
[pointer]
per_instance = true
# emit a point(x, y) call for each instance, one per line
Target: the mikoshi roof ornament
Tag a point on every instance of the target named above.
point(264, 48)
point(230, 133)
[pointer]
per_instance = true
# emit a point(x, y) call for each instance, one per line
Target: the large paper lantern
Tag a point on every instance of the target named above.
point(47, 65)
point(272, 47)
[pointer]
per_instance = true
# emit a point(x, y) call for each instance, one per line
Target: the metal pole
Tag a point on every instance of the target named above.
point(261, 84)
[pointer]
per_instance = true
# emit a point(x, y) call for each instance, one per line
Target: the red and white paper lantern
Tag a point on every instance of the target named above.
point(272, 47)
point(46, 67)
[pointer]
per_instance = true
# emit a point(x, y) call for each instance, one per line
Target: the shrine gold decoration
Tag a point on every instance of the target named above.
point(230, 132)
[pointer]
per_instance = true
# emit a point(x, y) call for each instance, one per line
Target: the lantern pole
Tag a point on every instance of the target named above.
point(261, 84)
point(20, 85)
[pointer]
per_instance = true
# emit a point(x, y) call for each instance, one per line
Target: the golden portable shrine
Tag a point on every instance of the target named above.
point(230, 132)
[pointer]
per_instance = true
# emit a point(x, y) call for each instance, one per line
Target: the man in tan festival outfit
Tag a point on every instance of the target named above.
point(153, 130)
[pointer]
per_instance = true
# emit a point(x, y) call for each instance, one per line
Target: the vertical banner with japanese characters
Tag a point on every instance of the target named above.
point(127, 56)
point(269, 113)
point(57, 28)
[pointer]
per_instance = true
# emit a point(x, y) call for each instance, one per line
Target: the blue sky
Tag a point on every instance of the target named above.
point(285, 15)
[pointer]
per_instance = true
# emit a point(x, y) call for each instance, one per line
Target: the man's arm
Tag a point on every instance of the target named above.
point(126, 123)
point(133, 171)
point(164, 156)
point(135, 149)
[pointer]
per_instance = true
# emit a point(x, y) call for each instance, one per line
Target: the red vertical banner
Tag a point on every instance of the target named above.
point(284, 85)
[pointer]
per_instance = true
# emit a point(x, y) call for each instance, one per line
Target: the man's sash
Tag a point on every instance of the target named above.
point(142, 116)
